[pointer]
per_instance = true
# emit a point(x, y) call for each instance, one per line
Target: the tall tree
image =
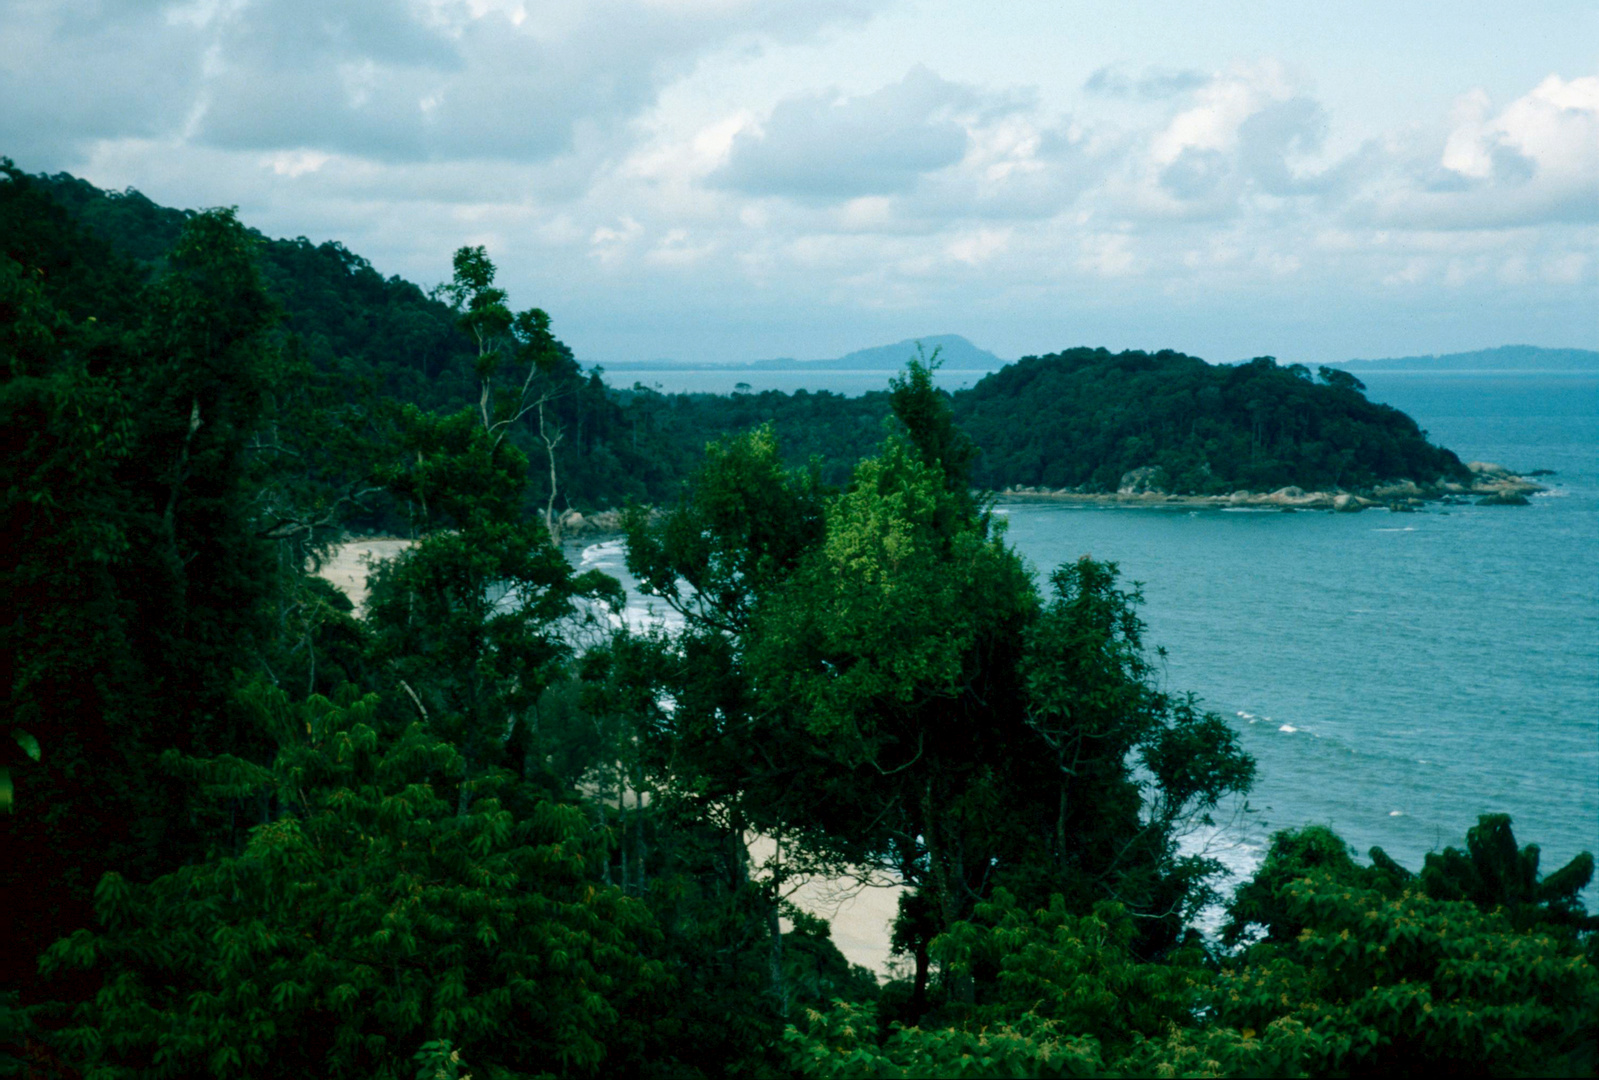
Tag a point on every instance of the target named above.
point(514, 347)
point(885, 685)
point(467, 623)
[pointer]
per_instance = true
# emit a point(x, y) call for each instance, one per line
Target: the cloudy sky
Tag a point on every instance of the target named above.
point(731, 179)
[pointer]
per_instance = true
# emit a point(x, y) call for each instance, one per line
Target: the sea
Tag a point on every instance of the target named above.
point(1395, 675)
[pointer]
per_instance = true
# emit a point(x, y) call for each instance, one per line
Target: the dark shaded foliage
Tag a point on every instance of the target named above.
point(1083, 418)
point(136, 580)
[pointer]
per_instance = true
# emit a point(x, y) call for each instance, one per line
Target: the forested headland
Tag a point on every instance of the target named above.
point(1082, 420)
point(482, 828)
point(1086, 418)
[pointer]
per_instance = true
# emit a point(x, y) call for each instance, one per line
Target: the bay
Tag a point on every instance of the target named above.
point(1395, 675)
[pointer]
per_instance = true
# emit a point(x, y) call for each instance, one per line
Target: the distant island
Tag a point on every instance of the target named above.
point(1503, 358)
point(957, 353)
point(954, 353)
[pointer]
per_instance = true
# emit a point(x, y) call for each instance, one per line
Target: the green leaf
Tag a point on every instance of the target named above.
point(29, 744)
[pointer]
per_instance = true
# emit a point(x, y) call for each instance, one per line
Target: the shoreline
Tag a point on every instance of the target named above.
point(1491, 485)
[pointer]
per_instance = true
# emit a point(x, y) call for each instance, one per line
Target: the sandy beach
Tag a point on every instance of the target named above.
point(348, 564)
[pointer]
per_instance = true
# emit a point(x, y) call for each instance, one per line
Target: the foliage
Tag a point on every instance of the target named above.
point(363, 919)
point(1410, 984)
point(1494, 873)
point(1388, 970)
point(136, 580)
point(1076, 971)
point(842, 1042)
point(1377, 980)
point(384, 341)
point(1491, 873)
point(744, 526)
point(1058, 995)
point(1093, 702)
point(519, 842)
point(1084, 418)
point(881, 683)
point(464, 622)
point(1262, 901)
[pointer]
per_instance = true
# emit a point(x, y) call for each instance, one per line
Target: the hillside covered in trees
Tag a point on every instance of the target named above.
point(1079, 419)
point(481, 828)
point(1084, 418)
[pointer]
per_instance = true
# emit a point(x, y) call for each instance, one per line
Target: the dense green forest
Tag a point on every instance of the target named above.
point(1084, 418)
point(481, 828)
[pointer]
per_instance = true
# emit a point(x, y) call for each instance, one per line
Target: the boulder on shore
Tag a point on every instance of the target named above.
point(1144, 480)
point(1404, 489)
point(1295, 498)
point(1345, 503)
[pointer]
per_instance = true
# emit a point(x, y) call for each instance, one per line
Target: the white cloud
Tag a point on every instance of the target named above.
point(393, 81)
point(979, 246)
point(719, 170)
point(1249, 134)
point(1534, 162)
point(829, 147)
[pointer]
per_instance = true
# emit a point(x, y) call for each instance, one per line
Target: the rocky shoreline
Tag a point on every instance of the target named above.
point(1491, 485)
point(573, 525)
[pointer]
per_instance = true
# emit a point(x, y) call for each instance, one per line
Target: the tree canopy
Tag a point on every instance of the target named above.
point(1084, 418)
point(874, 671)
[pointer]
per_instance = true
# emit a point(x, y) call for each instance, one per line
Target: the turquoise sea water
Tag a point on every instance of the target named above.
point(1395, 675)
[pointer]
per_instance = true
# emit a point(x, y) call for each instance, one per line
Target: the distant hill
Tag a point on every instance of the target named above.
point(1504, 358)
point(955, 352)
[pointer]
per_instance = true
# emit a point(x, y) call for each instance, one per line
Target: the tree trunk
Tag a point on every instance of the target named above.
point(641, 852)
point(774, 926)
point(919, 987)
point(949, 880)
point(550, 443)
point(774, 929)
point(599, 830)
point(1060, 816)
point(621, 812)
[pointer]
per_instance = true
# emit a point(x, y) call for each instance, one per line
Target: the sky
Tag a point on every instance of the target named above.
point(728, 180)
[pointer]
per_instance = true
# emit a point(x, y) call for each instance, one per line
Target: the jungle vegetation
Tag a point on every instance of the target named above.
point(1084, 418)
point(482, 828)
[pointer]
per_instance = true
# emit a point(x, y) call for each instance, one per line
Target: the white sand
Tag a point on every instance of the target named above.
point(861, 915)
point(349, 563)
